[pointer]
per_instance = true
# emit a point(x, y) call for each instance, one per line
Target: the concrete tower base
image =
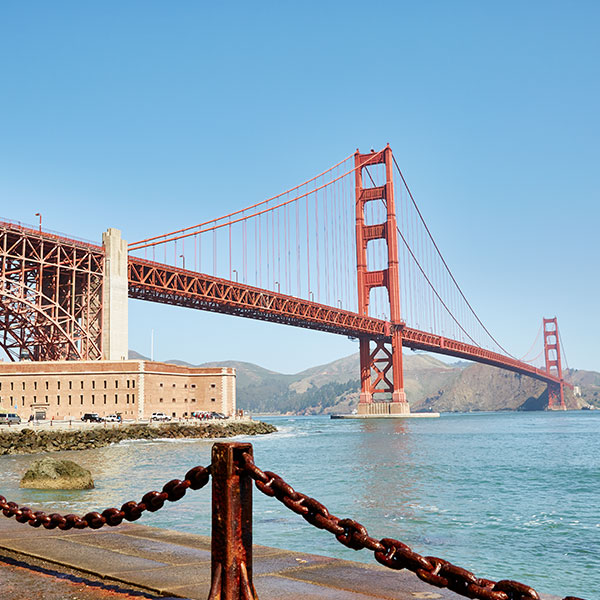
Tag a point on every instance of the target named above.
point(384, 408)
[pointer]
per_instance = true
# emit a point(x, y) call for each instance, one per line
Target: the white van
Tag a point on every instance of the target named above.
point(9, 419)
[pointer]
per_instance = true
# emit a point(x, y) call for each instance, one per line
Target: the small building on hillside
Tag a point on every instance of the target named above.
point(132, 388)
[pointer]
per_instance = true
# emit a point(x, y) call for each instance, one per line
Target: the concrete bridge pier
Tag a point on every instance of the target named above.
point(115, 297)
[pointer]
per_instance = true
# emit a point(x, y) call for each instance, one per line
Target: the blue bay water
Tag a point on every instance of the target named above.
point(506, 495)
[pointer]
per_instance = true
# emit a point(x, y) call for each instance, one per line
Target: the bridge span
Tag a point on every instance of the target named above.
point(346, 252)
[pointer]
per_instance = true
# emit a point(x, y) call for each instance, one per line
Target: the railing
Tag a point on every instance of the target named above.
point(233, 471)
point(49, 233)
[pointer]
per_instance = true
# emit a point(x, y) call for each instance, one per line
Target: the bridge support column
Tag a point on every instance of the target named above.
point(380, 360)
point(366, 397)
point(398, 393)
point(115, 297)
point(556, 394)
point(556, 397)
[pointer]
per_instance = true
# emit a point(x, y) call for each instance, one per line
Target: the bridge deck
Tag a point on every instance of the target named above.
point(171, 285)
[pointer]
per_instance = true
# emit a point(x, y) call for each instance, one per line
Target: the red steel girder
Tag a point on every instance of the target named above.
point(171, 285)
point(431, 342)
point(50, 295)
point(49, 315)
point(156, 282)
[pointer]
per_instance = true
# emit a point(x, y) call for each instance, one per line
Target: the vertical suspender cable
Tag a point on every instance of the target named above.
point(288, 249)
point(326, 242)
point(259, 250)
point(267, 238)
point(346, 244)
point(317, 243)
point(341, 262)
point(215, 251)
point(244, 255)
point(307, 249)
point(298, 281)
point(272, 240)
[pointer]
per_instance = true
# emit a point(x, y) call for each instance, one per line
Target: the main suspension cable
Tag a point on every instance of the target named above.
point(445, 264)
point(425, 275)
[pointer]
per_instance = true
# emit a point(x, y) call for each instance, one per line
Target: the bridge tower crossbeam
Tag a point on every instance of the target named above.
point(381, 365)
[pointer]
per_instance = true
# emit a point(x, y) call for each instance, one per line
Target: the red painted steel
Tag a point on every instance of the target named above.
point(156, 282)
point(376, 364)
point(238, 215)
point(556, 396)
point(50, 295)
point(171, 285)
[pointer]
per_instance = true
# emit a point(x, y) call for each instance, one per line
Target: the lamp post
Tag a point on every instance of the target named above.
point(278, 287)
point(311, 296)
point(236, 275)
point(182, 257)
point(40, 216)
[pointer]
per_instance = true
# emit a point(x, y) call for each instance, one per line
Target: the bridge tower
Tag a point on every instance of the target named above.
point(556, 397)
point(380, 363)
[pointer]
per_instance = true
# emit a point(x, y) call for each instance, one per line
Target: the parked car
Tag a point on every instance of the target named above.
point(201, 415)
point(9, 419)
point(113, 418)
point(159, 416)
point(217, 415)
point(92, 418)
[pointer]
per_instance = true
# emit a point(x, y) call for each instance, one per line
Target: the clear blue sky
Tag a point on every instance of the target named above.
point(148, 116)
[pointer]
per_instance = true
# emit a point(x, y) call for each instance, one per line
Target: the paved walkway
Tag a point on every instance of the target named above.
point(138, 561)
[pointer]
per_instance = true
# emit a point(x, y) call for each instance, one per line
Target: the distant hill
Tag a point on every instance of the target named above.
point(430, 384)
point(589, 383)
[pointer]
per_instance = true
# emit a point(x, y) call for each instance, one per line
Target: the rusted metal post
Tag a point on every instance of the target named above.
point(231, 546)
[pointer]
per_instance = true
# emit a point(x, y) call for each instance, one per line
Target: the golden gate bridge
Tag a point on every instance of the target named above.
point(345, 252)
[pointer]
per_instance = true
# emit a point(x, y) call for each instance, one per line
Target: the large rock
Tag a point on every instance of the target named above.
point(53, 474)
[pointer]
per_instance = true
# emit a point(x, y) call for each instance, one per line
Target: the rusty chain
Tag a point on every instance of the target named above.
point(172, 491)
point(389, 552)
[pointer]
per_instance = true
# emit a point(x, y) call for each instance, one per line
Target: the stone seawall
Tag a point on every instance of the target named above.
point(30, 441)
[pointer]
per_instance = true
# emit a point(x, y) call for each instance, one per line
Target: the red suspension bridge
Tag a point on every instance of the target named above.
point(346, 252)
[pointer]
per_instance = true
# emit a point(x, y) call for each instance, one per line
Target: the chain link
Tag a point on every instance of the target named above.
point(388, 552)
point(172, 491)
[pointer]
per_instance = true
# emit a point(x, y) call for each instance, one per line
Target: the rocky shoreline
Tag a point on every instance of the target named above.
point(30, 441)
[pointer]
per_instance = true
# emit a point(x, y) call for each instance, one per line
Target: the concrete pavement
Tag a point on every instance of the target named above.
point(146, 561)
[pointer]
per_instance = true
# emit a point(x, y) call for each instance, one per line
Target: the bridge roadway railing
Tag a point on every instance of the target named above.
point(233, 471)
point(171, 285)
point(422, 340)
point(157, 282)
point(24, 229)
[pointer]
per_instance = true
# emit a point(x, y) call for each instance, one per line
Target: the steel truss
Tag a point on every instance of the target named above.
point(156, 282)
point(431, 342)
point(170, 285)
point(50, 296)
